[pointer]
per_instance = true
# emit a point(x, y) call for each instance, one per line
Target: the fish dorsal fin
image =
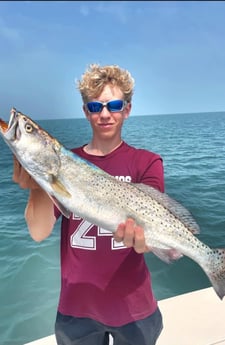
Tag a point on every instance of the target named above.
point(171, 205)
point(58, 187)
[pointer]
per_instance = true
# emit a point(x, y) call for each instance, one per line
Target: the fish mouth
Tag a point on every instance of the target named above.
point(11, 130)
point(3, 126)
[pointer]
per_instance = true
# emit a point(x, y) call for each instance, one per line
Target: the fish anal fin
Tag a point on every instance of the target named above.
point(167, 255)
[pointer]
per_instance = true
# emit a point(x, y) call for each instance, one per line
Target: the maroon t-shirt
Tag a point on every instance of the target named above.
point(100, 278)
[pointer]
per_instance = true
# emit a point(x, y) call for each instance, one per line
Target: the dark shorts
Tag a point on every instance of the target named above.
point(83, 331)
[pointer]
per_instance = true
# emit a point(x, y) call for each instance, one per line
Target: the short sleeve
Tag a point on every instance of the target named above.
point(150, 169)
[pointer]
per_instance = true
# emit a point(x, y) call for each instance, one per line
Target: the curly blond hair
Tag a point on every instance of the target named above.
point(97, 77)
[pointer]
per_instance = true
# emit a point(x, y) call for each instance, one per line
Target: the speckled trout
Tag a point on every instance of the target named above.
point(79, 187)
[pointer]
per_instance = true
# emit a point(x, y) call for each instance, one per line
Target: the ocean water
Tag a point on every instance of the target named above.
point(193, 151)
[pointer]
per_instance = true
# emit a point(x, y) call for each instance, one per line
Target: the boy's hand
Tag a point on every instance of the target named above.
point(132, 235)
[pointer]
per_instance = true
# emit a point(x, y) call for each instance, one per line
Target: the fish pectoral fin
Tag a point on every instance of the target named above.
point(167, 255)
point(58, 187)
point(61, 208)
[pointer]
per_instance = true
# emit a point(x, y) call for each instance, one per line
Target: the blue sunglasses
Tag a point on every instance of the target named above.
point(112, 106)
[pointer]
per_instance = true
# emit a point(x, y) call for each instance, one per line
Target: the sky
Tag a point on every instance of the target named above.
point(174, 50)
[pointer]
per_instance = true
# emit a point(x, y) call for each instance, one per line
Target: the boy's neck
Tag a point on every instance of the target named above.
point(102, 149)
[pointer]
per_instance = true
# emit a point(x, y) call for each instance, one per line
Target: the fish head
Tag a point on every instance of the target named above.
point(36, 150)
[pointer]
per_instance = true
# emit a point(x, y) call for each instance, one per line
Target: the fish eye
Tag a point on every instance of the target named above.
point(28, 128)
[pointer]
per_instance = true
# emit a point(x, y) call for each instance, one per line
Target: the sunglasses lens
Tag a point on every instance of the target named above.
point(94, 107)
point(112, 106)
point(115, 105)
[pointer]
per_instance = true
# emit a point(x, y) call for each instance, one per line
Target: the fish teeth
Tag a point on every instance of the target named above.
point(12, 117)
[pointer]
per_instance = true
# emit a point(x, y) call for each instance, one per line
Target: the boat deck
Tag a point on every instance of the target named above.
point(195, 318)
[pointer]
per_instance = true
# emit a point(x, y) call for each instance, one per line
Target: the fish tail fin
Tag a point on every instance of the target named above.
point(216, 271)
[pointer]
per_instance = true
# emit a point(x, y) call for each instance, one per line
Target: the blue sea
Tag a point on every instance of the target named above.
point(193, 150)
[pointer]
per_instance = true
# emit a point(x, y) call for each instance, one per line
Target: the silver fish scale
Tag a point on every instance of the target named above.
point(162, 229)
point(128, 200)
